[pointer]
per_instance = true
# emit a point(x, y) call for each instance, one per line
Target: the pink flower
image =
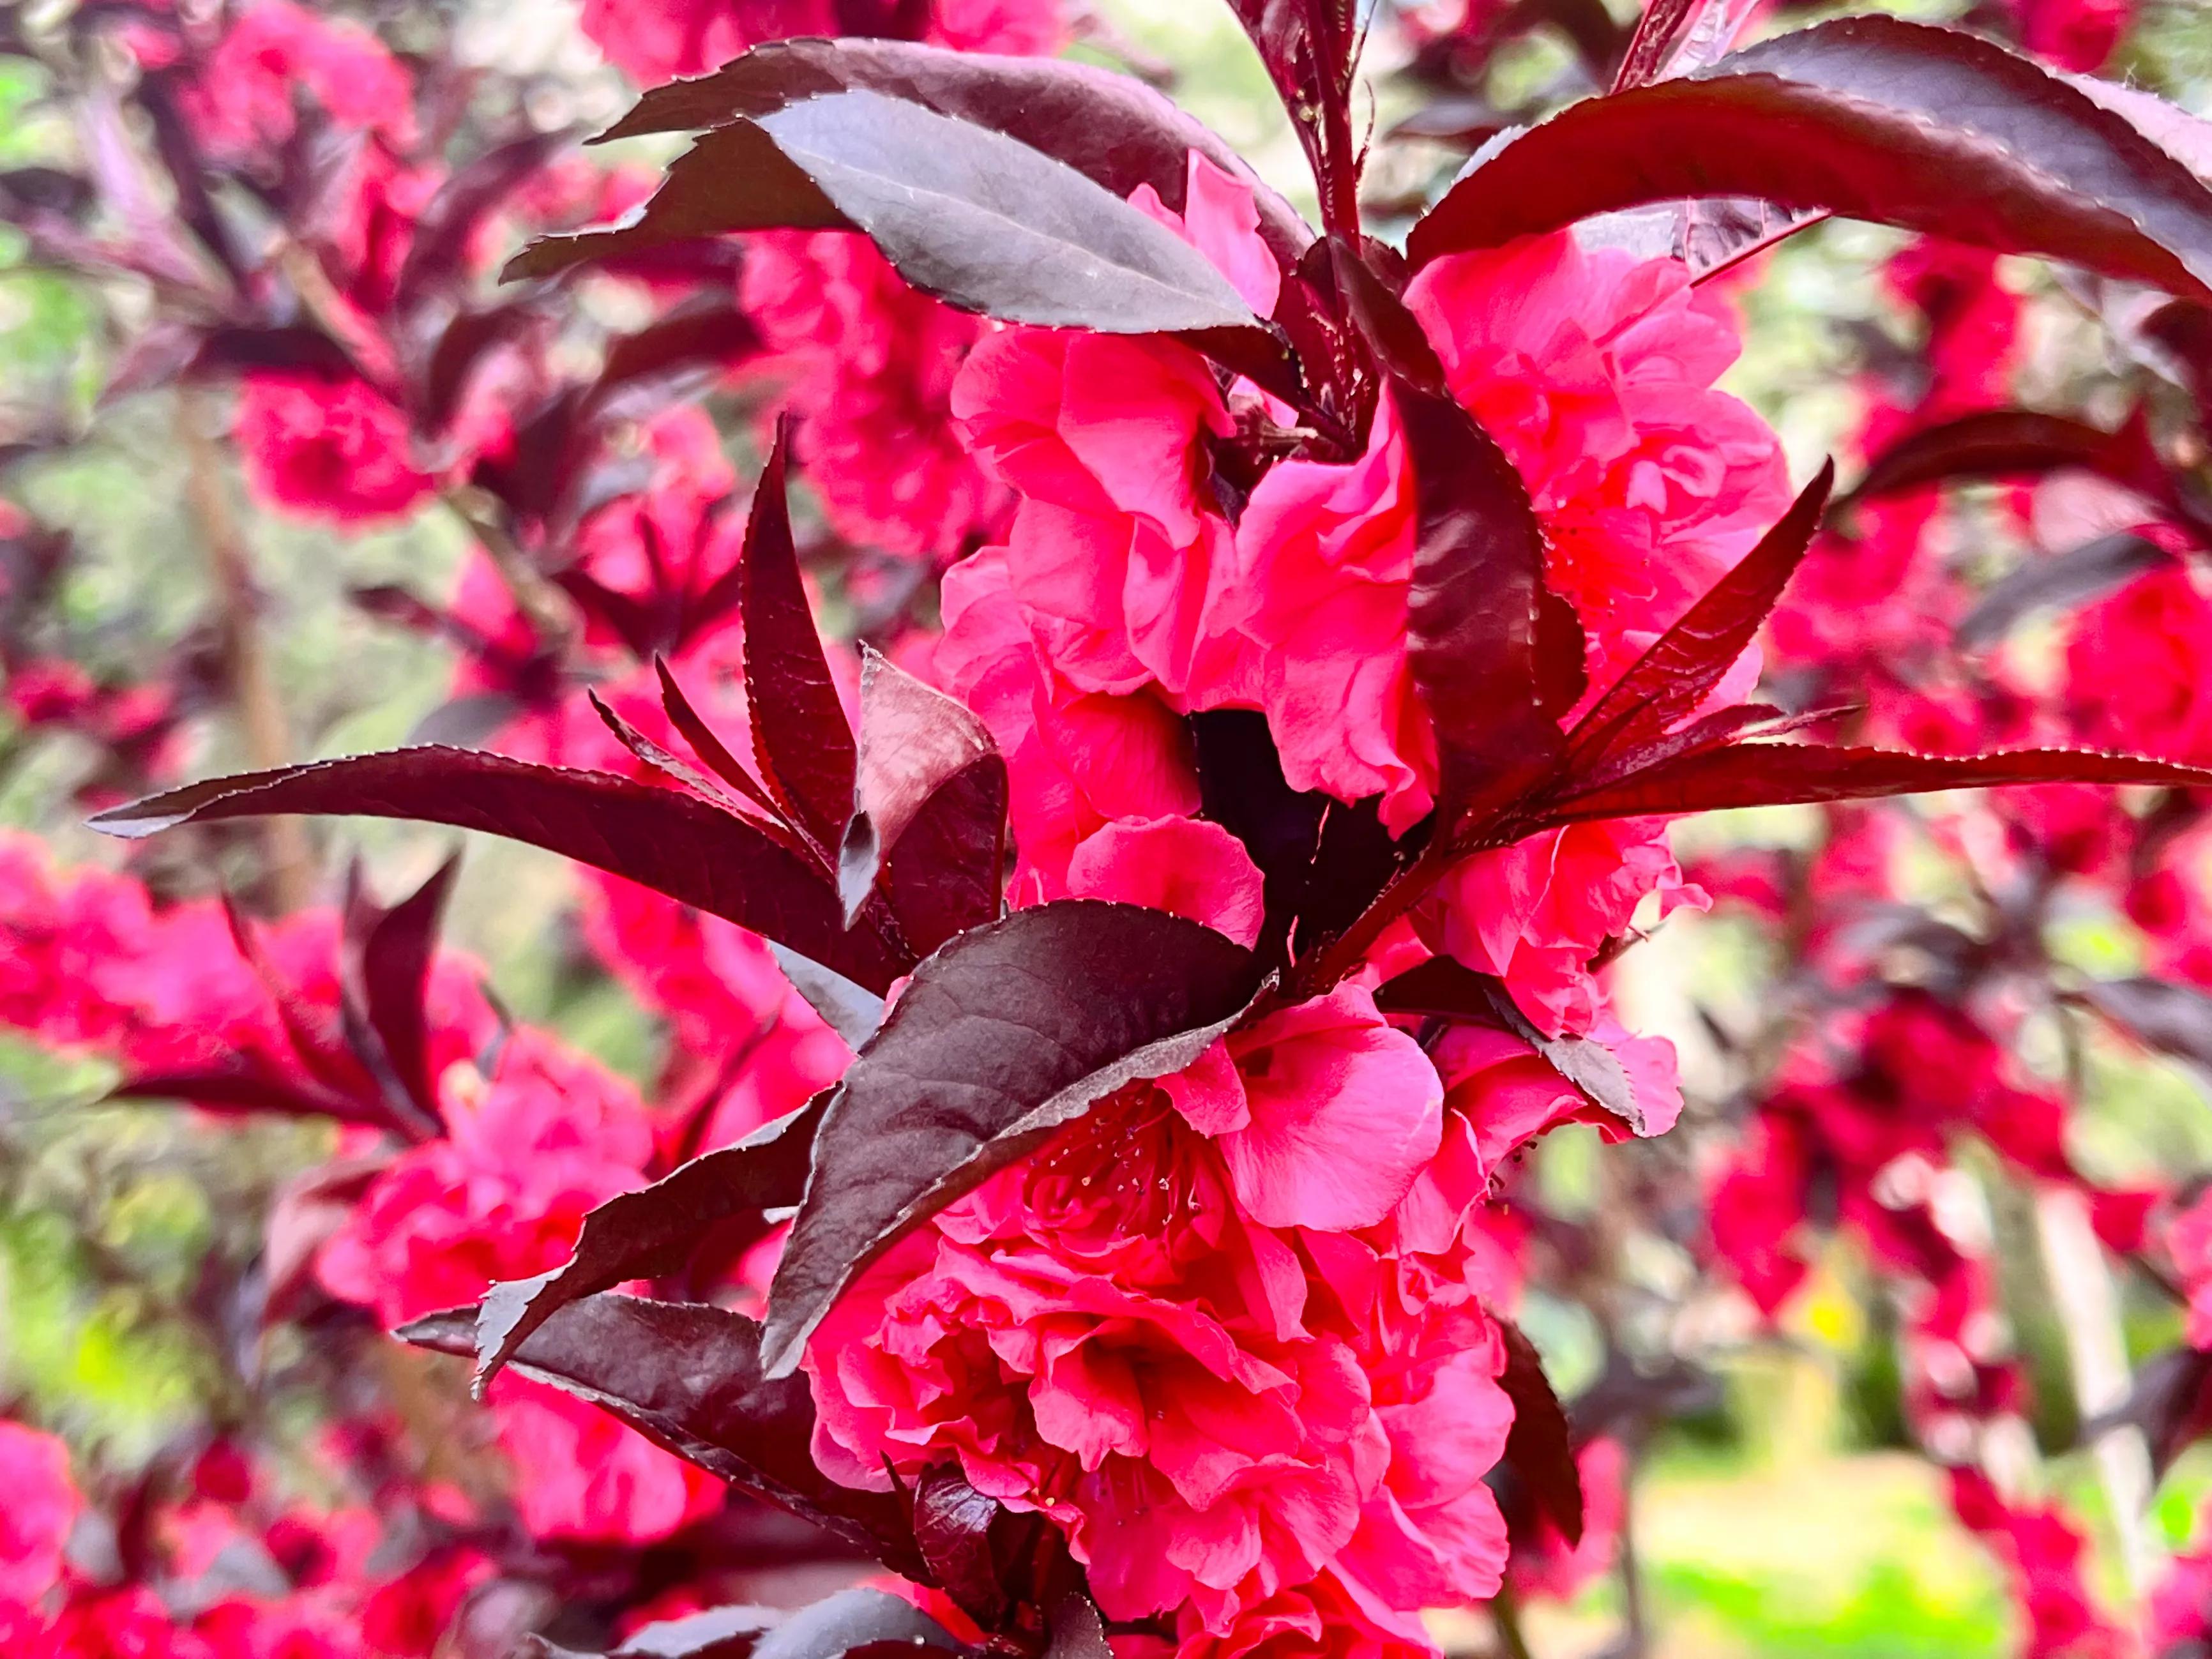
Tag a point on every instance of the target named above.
point(1076, 761)
point(549, 1137)
point(868, 364)
point(1098, 1334)
point(335, 449)
point(42, 1505)
point(2074, 34)
point(1115, 557)
point(1319, 1621)
point(242, 104)
point(1325, 556)
point(1324, 1114)
point(1430, 1533)
point(1534, 913)
point(124, 1623)
point(2135, 668)
point(1595, 374)
point(2043, 1551)
point(1185, 866)
point(580, 1474)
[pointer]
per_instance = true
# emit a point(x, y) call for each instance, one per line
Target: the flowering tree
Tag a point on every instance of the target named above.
point(1116, 975)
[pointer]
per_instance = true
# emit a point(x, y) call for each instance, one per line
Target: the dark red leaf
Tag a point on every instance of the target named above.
point(1242, 789)
point(1709, 234)
point(980, 220)
point(462, 347)
point(735, 178)
point(2065, 579)
point(241, 1089)
point(1655, 32)
point(2174, 1019)
point(929, 810)
point(705, 743)
point(952, 1524)
point(689, 776)
point(1786, 773)
point(2012, 443)
point(689, 1376)
point(437, 253)
point(390, 965)
point(656, 1230)
point(1872, 118)
point(1664, 686)
point(717, 1634)
point(665, 839)
point(857, 1622)
point(1113, 129)
point(1539, 1449)
point(1308, 48)
point(1002, 1036)
point(800, 737)
point(709, 332)
point(2170, 1405)
point(1076, 1630)
point(1472, 612)
point(1445, 988)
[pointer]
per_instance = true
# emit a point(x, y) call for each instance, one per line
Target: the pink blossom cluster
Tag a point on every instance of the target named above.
point(1234, 1333)
point(531, 1135)
point(250, 1571)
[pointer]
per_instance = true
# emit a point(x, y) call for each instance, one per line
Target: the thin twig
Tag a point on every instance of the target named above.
point(254, 695)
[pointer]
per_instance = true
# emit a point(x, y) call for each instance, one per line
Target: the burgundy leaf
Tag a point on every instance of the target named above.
point(952, 1524)
point(689, 1376)
point(1002, 1036)
point(681, 772)
point(1539, 1449)
point(847, 1009)
point(730, 1633)
point(2066, 579)
point(855, 1624)
point(2010, 443)
point(1445, 988)
point(800, 737)
point(929, 810)
point(706, 332)
point(1076, 1630)
point(1308, 48)
point(2174, 1019)
point(980, 220)
point(1872, 118)
point(1655, 32)
point(735, 178)
point(437, 253)
point(1665, 685)
point(1113, 129)
point(241, 1089)
point(858, 1622)
point(1472, 609)
point(390, 965)
point(656, 1230)
point(2170, 1404)
point(705, 743)
point(462, 348)
point(1356, 858)
point(1787, 774)
point(1242, 789)
point(668, 840)
point(1709, 234)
